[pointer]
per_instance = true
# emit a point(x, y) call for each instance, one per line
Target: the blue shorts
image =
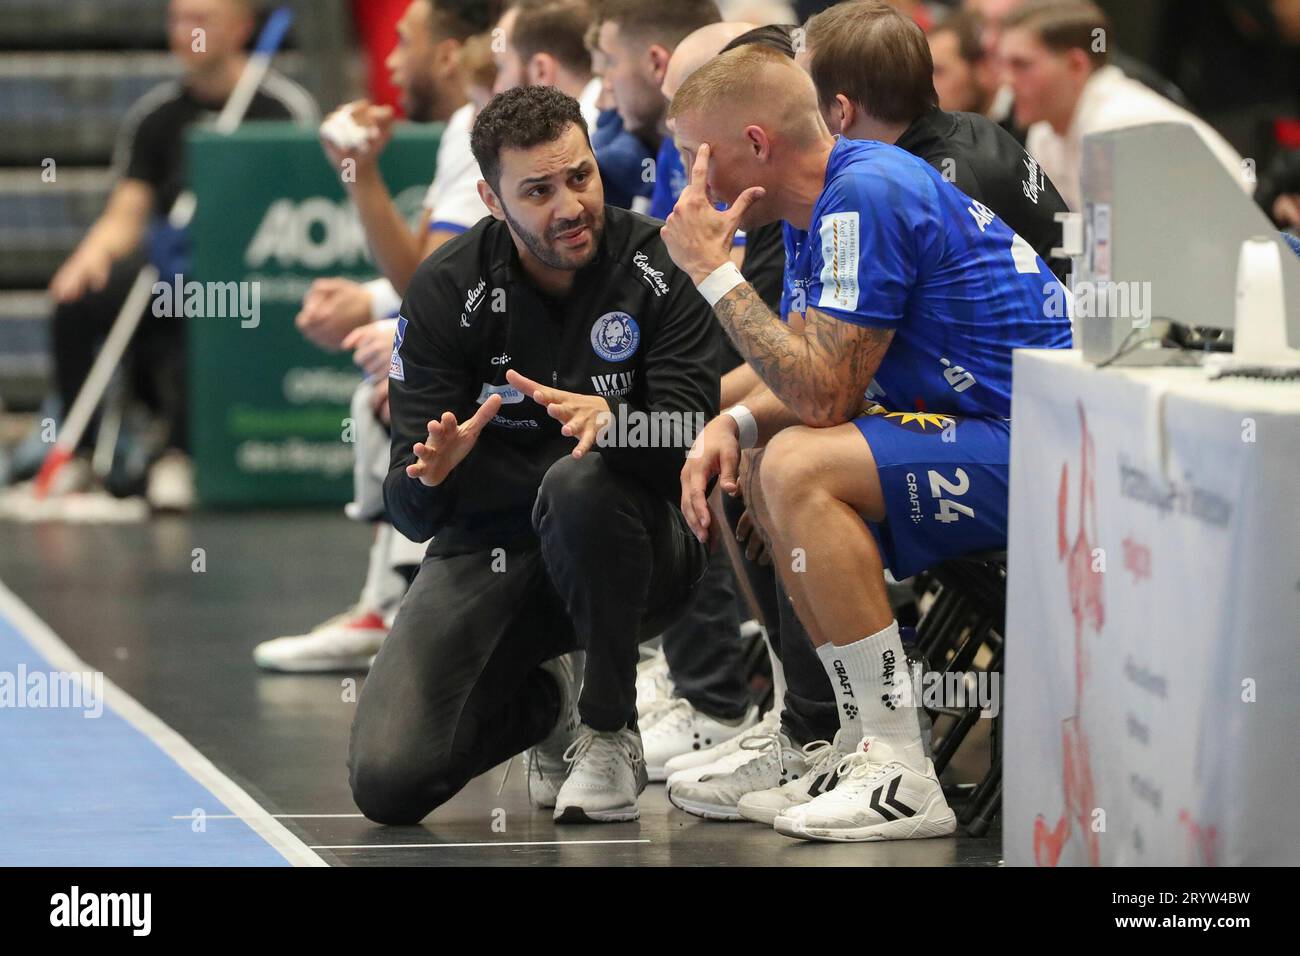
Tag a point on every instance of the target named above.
point(944, 480)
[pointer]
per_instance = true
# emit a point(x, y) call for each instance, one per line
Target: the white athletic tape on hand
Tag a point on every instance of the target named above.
point(746, 425)
point(719, 282)
point(345, 133)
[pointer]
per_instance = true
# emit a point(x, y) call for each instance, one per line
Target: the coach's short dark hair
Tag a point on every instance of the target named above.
point(521, 119)
point(875, 56)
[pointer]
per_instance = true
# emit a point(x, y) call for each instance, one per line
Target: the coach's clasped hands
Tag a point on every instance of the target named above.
point(698, 236)
point(583, 416)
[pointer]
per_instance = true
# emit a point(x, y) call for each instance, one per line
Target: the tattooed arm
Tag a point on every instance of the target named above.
point(819, 372)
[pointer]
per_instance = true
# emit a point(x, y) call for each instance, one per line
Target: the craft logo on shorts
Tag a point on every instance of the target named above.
point(395, 369)
point(840, 251)
point(615, 336)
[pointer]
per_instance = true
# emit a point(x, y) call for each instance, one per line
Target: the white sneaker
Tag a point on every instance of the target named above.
point(678, 728)
point(877, 797)
point(690, 764)
point(821, 757)
point(773, 761)
point(544, 764)
point(606, 775)
point(652, 683)
point(346, 642)
point(171, 483)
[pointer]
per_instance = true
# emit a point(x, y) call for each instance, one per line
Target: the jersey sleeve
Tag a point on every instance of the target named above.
point(426, 377)
point(862, 263)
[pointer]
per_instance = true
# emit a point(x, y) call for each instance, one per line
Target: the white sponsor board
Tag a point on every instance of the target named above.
point(1153, 624)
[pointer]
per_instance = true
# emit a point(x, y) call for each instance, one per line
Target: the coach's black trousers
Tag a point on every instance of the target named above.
point(456, 688)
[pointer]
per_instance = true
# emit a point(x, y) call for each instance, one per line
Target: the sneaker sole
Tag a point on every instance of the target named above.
point(761, 815)
point(906, 829)
point(579, 815)
point(709, 811)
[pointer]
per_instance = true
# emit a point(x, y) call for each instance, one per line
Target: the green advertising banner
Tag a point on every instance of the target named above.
point(269, 410)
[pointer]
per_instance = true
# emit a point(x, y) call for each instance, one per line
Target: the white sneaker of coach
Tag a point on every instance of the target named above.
point(606, 775)
point(822, 757)
point(675, 727)
point(877, 797)
point(689, 765)
point(773, 761)
point(346, 642)
point(544, 764)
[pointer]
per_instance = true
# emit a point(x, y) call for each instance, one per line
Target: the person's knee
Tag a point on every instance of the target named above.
point(788, 473)
point(572, 492)
point(394, 790)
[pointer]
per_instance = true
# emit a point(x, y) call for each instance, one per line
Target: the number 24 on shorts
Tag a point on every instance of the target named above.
point(948, 509)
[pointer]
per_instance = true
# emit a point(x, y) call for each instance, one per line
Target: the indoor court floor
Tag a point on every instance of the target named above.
point(201, 759)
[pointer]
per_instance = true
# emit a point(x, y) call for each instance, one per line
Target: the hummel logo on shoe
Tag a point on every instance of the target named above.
point(850, 711)
point(891, 800)
point(823, 783)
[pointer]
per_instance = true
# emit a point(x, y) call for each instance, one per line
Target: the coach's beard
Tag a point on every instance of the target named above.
point(544, 248)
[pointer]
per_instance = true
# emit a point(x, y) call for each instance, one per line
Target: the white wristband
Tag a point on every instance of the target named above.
point(719, 282)
point(384, 300)
point(746, 425)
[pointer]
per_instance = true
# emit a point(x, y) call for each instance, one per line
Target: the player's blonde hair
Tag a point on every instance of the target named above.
point(753, 85)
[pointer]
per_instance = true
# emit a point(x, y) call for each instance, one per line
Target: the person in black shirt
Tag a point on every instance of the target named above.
point(874, 76)
point(149, 163)
point(550, 368)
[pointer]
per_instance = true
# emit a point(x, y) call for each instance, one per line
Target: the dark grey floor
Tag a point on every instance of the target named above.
point(126, 599)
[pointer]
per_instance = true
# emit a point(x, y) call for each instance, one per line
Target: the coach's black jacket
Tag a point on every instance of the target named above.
point(471, 313)
point(988, 164)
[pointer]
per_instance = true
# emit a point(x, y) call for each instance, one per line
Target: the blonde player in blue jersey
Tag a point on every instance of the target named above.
point(899, 288)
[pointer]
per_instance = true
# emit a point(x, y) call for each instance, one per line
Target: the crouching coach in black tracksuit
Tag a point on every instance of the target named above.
point(548, 374)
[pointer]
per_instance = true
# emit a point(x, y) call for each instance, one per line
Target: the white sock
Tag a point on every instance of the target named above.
point(871, 681)
point(778, 676)
point(384, 587)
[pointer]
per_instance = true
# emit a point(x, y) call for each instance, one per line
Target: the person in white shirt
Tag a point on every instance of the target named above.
point(1055, 56)
point(432, 67)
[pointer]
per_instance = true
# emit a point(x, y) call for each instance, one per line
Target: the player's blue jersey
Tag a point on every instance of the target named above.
point(670, 179)
point(893, 245)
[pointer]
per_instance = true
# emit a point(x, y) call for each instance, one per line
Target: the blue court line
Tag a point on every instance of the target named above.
point(103, 791)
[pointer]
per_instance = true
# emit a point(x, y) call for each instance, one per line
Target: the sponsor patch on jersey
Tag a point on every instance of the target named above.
point(395, 368)
point(615, 336)
point(840, 252)
point(509, 394)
